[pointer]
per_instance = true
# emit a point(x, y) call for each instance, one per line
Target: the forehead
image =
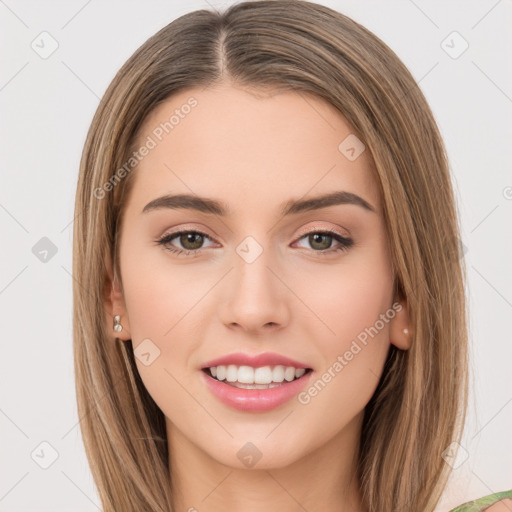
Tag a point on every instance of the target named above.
point(244, 147)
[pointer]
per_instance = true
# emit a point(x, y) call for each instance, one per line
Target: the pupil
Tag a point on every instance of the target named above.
point(189, 238)
point(316, 236)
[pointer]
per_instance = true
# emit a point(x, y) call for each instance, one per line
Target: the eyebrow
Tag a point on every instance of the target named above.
point(291, 207)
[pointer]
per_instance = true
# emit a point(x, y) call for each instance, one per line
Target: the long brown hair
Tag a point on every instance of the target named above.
point(419, 406)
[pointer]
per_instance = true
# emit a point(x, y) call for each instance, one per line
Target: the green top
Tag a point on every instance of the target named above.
point(480, 504)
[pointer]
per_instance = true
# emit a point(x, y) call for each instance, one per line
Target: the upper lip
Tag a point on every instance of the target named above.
point(256, 361)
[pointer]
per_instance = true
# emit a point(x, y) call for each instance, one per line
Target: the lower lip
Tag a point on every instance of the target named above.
point(255, 400)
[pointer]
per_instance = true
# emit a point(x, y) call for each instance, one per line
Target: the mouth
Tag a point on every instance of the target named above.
point(246, 377)
point(255, 390)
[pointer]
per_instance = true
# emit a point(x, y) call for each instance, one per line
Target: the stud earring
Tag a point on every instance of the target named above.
point(406, 331)
point(117, 324)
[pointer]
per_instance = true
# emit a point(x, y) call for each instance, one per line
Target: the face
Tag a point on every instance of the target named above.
point(311, 284)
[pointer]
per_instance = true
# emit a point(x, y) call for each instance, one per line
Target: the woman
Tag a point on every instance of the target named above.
point(265, 209)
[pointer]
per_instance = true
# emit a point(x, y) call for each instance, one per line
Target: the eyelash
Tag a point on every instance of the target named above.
point(345, 243)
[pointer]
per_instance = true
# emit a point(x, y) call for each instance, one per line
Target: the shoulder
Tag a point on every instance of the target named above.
point(497, 502)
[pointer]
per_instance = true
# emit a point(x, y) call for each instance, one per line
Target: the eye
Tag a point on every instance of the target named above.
point(321, 241)
point(190, 241)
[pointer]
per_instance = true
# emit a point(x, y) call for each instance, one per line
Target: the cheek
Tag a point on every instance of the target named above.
point(158, 295)
point(353, 303)
point(160, 302)
point(160, 305)
point(347, 298)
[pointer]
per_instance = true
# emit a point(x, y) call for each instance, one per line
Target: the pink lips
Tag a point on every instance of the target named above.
point(256, 361)
point(255, 400)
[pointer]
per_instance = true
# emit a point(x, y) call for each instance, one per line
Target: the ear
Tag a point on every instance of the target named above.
point(115, 305)
point(398, 323)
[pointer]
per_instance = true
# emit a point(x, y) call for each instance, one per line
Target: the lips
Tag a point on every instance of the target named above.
point(255, 400)
point(254, 360)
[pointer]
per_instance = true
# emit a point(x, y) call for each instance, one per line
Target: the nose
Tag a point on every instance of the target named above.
point(257, 300)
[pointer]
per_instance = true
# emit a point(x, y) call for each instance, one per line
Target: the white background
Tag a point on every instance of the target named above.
point(47, 106)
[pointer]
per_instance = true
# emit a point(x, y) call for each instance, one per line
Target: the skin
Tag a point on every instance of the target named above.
point(255, 152)
point(501, 506)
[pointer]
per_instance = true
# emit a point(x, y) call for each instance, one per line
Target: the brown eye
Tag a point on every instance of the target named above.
point(190, 241)
point(194, 239)
point(321, 241)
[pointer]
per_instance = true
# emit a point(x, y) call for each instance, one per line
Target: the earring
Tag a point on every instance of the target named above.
point(406, 331)
point(117, 325)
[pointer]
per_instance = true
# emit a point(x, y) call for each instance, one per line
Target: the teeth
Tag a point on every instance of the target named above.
point(232, 373)
point(264, 375)
point(260, 375)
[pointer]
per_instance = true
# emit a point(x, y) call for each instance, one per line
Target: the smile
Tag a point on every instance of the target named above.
point(255, 389)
